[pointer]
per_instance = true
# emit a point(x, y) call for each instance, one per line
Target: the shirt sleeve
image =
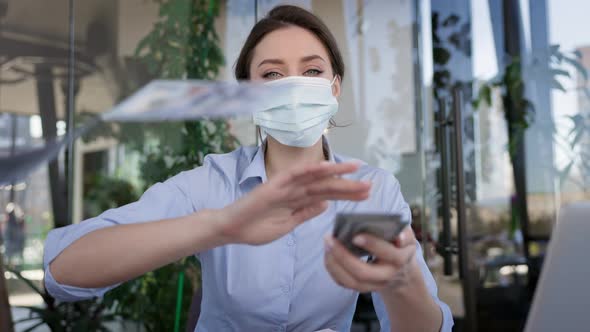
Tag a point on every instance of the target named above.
point(389, 190)
point(169, 199)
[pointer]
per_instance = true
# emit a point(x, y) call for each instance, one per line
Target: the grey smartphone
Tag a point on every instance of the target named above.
point(348, 225)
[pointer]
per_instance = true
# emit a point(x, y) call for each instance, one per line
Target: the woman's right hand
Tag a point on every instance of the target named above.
point(275, 208)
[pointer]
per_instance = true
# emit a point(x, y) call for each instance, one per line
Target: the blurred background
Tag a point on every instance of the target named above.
point(480, 108)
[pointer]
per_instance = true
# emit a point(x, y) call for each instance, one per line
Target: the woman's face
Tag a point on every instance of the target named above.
point(291, 51)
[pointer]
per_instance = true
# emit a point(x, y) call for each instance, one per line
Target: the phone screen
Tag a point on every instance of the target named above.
point(348, 225)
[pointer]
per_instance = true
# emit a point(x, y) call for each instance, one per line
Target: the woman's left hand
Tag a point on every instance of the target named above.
point(389, 270)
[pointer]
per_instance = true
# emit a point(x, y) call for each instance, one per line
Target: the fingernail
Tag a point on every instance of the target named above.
point(400, 240)
point(402, 237)
point(329, 242)
point(359, 240)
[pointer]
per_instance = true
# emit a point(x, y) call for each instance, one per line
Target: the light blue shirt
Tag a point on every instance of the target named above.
point(280, 286)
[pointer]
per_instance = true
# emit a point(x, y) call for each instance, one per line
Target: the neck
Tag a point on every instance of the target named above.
point(280, 157)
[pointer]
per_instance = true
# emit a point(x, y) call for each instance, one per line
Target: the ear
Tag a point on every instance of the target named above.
point(336, 88)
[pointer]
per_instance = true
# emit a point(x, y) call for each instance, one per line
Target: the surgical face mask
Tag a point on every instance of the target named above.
point(300, 112)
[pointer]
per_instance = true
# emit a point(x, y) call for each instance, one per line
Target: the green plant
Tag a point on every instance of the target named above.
point(150, 300)
point(182, 44)
point(579, 157)
point(93, 314)
point(456, 40)
point(512, 87)
point(106, 192)
point(519, 113)
point(518, 110)
point(82, 316)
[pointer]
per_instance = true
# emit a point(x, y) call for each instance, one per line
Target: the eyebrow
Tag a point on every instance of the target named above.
point(312, 57)
point(281, 62)
point(271, 61)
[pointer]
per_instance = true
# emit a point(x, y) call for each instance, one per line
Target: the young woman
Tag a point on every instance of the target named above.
point(259, 219)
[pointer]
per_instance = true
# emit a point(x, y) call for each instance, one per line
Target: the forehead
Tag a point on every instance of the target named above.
point(289, 43)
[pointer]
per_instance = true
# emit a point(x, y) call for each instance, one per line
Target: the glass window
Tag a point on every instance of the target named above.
point(33, 106)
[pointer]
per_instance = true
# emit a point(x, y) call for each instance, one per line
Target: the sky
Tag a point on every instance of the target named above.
point(569, 24)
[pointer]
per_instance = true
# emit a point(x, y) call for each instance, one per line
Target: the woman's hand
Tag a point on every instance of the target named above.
point(273, 209)
point(391, 269)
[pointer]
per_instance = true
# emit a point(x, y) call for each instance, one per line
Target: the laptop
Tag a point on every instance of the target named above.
point(562, 298)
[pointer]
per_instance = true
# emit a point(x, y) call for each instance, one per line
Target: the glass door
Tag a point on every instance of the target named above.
point(506, 158)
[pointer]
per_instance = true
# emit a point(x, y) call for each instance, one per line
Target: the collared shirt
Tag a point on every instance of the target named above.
point(280, 286)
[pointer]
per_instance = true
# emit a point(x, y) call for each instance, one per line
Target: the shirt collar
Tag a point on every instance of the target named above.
point(257, 169)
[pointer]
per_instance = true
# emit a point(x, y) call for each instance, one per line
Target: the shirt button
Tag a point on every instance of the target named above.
point(290, 242)
point(286, 289)
point(281, 328)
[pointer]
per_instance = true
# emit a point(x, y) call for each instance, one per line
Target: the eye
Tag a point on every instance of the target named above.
point(313, 72)
point(273, 75)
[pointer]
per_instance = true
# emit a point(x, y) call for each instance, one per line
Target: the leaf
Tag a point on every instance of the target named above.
point(455, 40)
point(555, 84)
point(512, 73)
point(563, 174)
point(450, 20)
point(580, 69)
point(441, 78)
point(25, 319)
point(484, 95)
point(577, 137)
point(485, 92)
point(27, 282)
point(578, 121)
point(33, 327)
point(559, 72)
point(143, 44)
point(434, 21)
point(440, 55)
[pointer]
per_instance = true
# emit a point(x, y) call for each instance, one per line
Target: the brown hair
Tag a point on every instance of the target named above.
point(281, 17)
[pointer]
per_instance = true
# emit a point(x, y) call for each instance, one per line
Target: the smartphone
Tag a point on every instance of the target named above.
point(348, 225)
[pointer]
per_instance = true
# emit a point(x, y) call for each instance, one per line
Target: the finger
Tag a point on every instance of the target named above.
point(361, 271)
point(356, 196)
point(334, 186)
point(405, 238)
point(329, 169)
point(305, 213)
point(311, 199)
point(349, 190)
point(338, 273)
point(343, 278)
point(310, 174)
point(384, 250)
point(292, 198)
point(288, 189)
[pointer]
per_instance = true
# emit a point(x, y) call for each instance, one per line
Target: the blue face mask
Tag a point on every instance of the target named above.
point(300, 112)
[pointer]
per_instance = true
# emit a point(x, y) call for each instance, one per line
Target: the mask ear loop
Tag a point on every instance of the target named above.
point(332, 124)
point(334, 79)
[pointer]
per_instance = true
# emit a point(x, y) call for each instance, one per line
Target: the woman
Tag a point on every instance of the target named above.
point(256, 222)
